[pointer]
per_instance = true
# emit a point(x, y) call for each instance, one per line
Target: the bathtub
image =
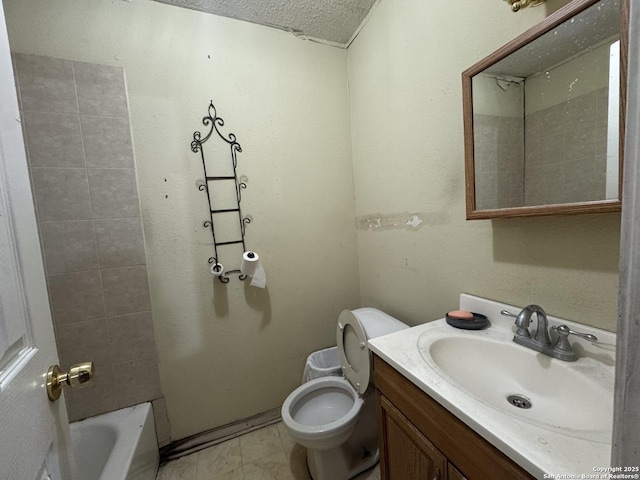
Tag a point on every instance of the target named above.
point(120, 445)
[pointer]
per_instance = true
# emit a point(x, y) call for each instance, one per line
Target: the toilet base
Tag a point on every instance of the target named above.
point(359, 453)
point(340, 463)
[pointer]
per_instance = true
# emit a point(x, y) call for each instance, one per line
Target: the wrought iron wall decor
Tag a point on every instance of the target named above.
point(214, 122)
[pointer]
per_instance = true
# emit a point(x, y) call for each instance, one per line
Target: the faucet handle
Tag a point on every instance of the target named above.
point(563, 349)
point(563, 344)
point(564, 332)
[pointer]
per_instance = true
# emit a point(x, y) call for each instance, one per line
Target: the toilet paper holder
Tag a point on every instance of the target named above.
point(213, 121)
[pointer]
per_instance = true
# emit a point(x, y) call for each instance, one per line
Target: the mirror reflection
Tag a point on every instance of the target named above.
point(545, 117)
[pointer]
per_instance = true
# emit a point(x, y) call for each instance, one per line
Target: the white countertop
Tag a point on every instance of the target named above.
point(539, 450)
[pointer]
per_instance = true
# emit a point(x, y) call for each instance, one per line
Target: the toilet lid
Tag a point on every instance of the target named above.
point(354, 353)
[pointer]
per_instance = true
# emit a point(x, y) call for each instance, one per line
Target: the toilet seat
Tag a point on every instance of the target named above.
point(355, 357)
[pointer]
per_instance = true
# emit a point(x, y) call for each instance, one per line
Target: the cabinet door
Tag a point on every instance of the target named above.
point(464, 448)
point(406, 454)
point(454, 473)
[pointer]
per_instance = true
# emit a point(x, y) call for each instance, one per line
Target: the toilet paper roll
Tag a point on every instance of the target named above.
point(250, 261)
point(217, 269)
point(259, 278)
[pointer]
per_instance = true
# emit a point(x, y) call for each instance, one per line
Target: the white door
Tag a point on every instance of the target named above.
point(33, 431)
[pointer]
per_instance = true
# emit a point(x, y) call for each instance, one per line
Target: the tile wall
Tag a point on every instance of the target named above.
point(79, 148)
point(566, 154)
point(499, 161)
point(564, 160)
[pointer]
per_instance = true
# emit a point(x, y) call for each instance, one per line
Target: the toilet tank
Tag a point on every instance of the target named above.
point(377, 323)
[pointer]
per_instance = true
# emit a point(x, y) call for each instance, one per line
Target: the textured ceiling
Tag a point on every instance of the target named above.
point(330, 21)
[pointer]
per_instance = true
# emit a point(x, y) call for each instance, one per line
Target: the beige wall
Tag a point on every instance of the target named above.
point(406, 117)
point(226, 352)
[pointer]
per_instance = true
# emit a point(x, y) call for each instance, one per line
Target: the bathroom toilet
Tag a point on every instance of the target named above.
point(335, 417)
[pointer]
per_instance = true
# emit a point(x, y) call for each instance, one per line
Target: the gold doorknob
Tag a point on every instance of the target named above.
point(78, 376)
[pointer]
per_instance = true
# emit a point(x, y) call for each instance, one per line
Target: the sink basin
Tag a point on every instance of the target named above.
point(567, 397)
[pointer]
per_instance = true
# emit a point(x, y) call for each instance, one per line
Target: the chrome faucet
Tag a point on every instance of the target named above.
point(541, 337)
point(541, 341)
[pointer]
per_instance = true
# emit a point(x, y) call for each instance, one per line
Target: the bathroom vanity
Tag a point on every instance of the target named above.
point(419, 438)
point(446, 408)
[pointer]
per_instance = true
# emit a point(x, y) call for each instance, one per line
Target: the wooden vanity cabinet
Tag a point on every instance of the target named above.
point(420, 439)
point(454, 473)
point(408, 454)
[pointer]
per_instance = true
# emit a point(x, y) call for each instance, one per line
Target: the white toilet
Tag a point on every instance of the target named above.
point(335, 417)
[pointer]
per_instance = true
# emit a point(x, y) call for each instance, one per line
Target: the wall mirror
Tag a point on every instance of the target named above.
point(544, 117)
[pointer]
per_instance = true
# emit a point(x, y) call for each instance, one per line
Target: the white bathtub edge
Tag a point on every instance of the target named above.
point(135, 454)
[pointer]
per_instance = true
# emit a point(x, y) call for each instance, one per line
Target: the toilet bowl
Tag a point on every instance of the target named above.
point(322, 413)
point(335, 417)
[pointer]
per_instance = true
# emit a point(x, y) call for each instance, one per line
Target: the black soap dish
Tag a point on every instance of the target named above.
point(478, 322)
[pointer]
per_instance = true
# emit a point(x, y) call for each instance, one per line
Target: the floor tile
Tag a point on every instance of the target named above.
point(296, 454)
point(285, 437)
point(233, 475)
point(266, 454)
point(260, 444)
point(222, 459)
point(272, 467)
point(297, 459)
point(184, 468)
point(371, 474)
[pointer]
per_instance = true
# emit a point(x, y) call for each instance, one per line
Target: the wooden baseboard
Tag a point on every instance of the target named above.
point(199, 441)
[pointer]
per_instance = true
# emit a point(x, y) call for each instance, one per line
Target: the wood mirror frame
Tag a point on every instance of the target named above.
point(562, 15)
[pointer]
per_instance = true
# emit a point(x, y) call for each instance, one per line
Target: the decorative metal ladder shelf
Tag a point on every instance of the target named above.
point(215, 122)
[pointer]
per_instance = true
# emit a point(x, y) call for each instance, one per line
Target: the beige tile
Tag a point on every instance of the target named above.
point(54, 139)
point(101, 90)
point(236, 474)
point(272, 467)
point(69, 246)
point(131, 337)
point(260, 444)
point(161, 419)
point(120, 242)
point(61, 193)
point(94, 399)
point(297, 460)
point(46, 84)
point(138, 381)
point(600, 138)
point(83, 342)
point(224, 459)
point(114, 193)
point(581, 109)
point(371, 474)
point(126, 290)
point(183, 468)
point(296, 455)
point(76, 297)
point(285, 437)
point(107, 142)
point(580, 142)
